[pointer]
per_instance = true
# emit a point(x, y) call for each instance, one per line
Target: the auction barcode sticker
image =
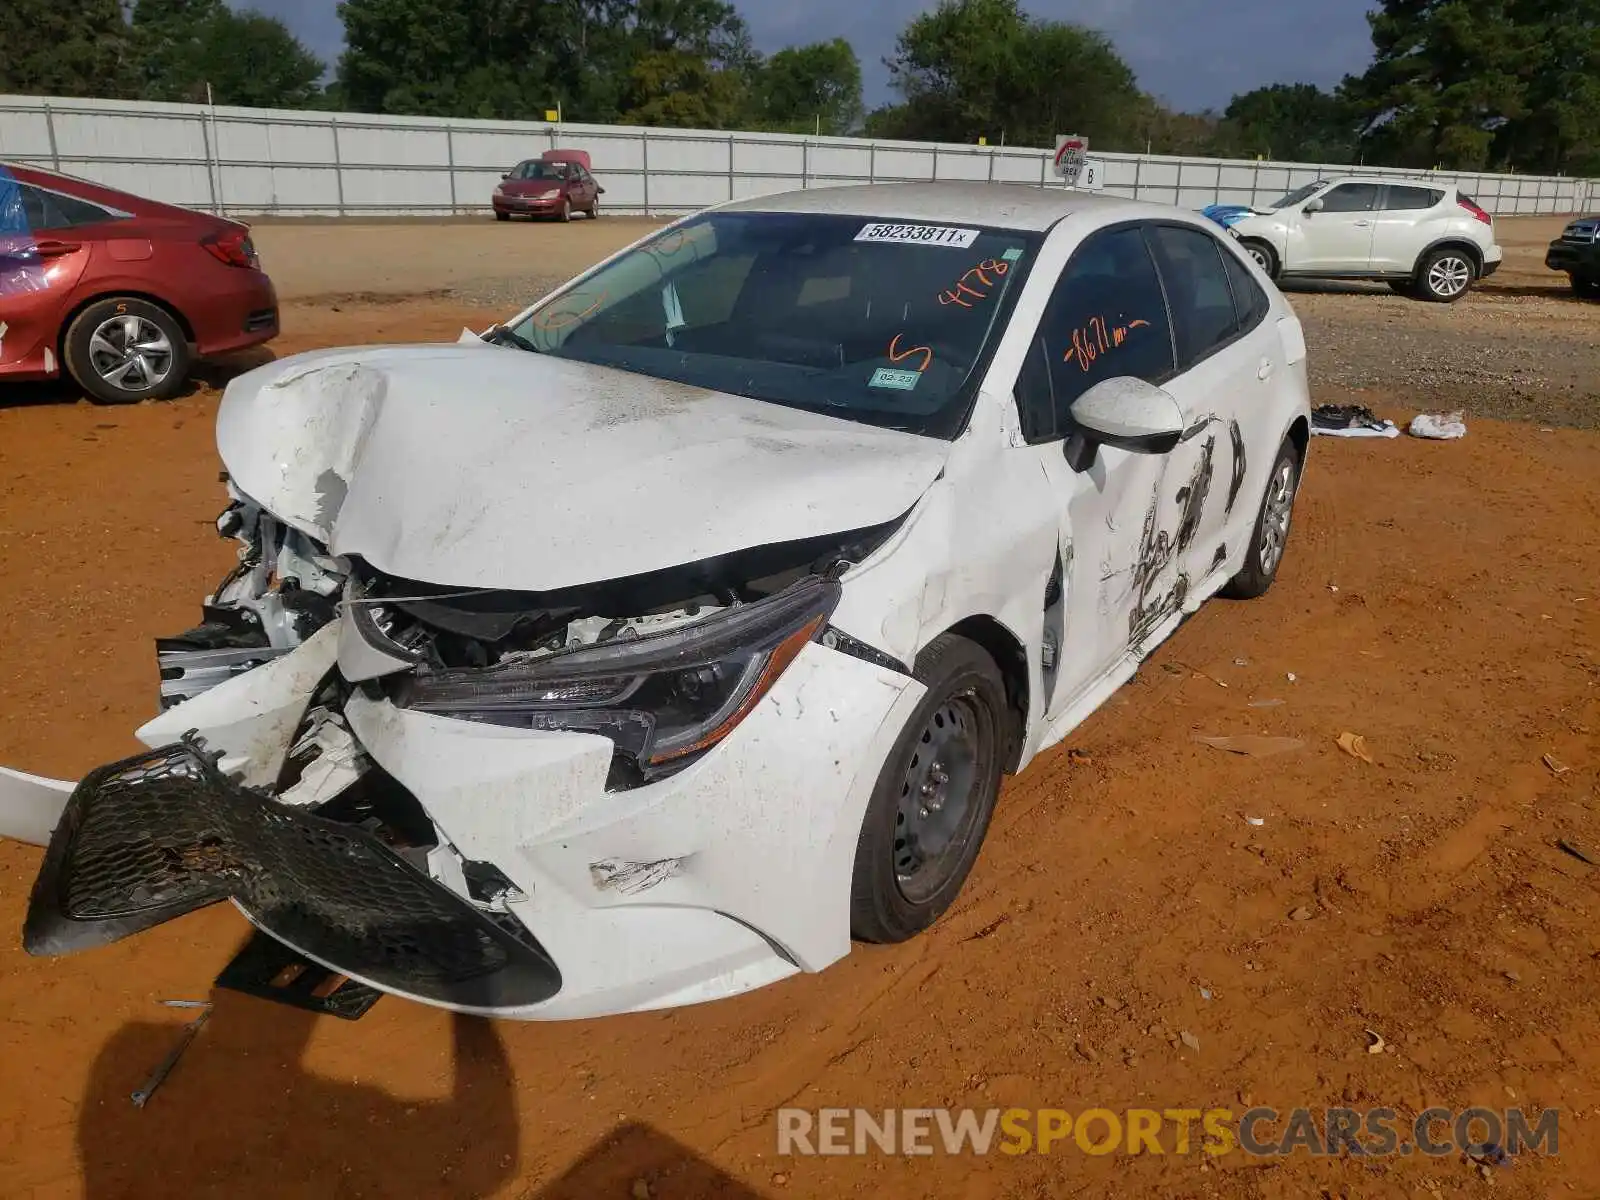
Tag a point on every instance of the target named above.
point(921, 235)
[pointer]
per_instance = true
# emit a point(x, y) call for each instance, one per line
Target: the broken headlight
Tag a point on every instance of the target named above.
point(660, 698)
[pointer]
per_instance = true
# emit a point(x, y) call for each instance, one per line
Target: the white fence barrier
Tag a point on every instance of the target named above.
point(250, 162)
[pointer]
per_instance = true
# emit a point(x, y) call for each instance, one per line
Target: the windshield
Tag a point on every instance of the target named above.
point(539, 170)
point(885, 323)
point(1300, 194)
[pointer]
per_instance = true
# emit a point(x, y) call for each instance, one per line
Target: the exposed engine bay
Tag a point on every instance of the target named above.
point(599, 658)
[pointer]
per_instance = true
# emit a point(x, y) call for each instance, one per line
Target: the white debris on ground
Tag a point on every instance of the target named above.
point(1439, 427)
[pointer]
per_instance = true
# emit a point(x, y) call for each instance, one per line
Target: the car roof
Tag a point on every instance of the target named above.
point(1391, 180)
point(98, 193)
point(1018, 206)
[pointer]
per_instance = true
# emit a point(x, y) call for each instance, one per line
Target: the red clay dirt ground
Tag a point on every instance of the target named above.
point(1439, 599)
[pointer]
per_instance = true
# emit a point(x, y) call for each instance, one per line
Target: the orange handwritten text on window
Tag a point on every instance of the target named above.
point(1095, 338)
point(975, 284)
point(560, 318)
point(897, 355)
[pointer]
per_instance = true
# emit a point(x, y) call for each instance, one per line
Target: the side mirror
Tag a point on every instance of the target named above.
point(599, 189)
point(1312, 206)
point(1129, 414)
point(507, 175)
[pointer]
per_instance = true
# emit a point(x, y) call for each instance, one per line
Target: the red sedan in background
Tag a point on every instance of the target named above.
point(556, 184)
point(120, 292)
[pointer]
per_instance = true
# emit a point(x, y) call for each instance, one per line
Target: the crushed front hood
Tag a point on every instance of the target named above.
point(477, 466)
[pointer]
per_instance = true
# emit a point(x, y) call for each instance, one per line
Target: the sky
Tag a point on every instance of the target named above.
point(1193, 54)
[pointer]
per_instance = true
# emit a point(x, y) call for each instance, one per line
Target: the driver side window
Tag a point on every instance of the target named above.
point(1107, 318)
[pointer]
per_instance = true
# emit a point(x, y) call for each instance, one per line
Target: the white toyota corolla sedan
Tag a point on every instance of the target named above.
point(649, 647)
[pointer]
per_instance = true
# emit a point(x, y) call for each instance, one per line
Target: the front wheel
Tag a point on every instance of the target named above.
point(1266, 258)
point(122, 350)
point(931, 807)
point(566, 210)
point(1445, 276)
point(1270, 536)
point(1585, 287)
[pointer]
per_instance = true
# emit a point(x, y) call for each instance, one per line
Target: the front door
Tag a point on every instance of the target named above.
point(1107, 318)
point(1337, 238)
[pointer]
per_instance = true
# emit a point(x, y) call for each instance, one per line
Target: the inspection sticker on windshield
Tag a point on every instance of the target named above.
point(920, 235)
point(901, 381)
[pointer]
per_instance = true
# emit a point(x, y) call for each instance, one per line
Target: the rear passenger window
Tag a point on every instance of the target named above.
point(53, 210)
point(1198, 293)
point(1106, 319)
point(1409, 199)
point(1250, 303)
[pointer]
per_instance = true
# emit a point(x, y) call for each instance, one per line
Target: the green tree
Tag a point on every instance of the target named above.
point(246, 58)
point(1560, 131)
point(1297, 121)
point(65, 48)
point(665, 61)
point(978, 68)
point(810, 88)
point(1446, 74)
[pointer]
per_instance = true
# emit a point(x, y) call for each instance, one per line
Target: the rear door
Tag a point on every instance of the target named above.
point(1337, 238)
point(1400, 226)
point(1227, 368)
point(43, 255)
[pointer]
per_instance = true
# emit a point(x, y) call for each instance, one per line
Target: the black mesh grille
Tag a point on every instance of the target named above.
point(165, 833)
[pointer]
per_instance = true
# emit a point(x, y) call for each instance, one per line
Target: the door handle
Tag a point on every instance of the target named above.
point(54, 249)
point(1264, 371)
point(1362, 224)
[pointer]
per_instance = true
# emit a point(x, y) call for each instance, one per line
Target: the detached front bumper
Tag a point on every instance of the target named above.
point(165, 833)
point(729, 875)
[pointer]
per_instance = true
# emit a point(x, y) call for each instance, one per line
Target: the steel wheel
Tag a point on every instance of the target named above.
point(130, 353)
point(1263, 260)
point(1275, 516)
point(1449, 275)
point(936, 811)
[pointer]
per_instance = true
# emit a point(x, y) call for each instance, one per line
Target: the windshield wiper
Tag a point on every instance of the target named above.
point(501, 336)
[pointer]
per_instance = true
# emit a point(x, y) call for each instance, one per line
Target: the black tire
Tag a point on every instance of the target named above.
point(157, 375)
point(1431, 269)
point(502, 216)
point(966, 708)
point(1262, 562)
point(1266, 257)
point(1402, 287)
point(1585, 288)
point(566, 210)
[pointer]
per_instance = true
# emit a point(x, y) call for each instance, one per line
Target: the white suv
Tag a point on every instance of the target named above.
point(1423, 238)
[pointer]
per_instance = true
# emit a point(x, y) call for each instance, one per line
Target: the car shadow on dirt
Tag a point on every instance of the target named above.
point(210, 373)
point(239, 1116)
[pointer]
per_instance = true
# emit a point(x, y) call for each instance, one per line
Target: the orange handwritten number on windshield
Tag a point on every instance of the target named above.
point(1095, 338)
point(560, 320)
point(963, 290)
point(896, 355)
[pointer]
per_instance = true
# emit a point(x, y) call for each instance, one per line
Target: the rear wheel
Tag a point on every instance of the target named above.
point(1445, 275)
point(1271, 534)
point(122, 350)
point(931, 807)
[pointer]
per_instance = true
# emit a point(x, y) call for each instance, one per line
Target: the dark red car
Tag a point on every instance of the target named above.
point(120, 292)
point(556, 184)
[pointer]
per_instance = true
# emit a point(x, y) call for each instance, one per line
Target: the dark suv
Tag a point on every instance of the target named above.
point(1577, 252)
